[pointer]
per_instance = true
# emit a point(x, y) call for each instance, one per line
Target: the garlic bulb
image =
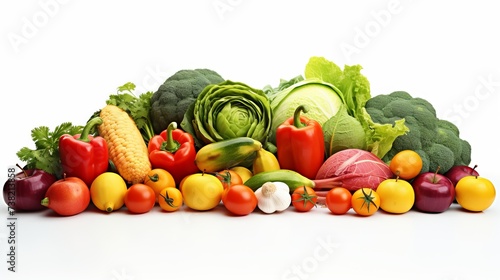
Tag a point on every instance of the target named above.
point(273, 197)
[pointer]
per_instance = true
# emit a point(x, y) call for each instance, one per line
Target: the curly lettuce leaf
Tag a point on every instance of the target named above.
point(355, 89)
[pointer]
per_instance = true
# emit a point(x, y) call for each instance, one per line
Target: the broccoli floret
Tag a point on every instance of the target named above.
point(425, 160)
point(380, 102)
point(465, 157)
point(439, 156)
point(450, 126)
point(448, 138)
point(177, 93)
point(437, 141)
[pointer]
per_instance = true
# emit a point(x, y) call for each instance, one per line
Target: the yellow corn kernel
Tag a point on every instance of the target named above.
point(127, 149)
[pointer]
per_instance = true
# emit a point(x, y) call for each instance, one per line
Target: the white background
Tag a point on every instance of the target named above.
point(61, 59)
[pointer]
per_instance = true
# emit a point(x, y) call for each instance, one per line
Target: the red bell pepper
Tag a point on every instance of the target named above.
point(300, 144)
point(173, 150)
point(83, 155)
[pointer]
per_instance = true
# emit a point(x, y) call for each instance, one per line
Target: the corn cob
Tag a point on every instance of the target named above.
point(127, 149)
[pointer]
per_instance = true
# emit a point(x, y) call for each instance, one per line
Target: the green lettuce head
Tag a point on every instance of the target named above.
point(227, 110)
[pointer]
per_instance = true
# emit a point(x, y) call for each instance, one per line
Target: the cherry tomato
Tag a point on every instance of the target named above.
point(239, 200)
point(396, 196)
point(365, 201)
point(170, 199)
point(406, 164)
point(338, 200)
point(229, 178)
point(304, 199)
point(201, 191)
point(139, 198)
point(158, 179)
point(475, 193)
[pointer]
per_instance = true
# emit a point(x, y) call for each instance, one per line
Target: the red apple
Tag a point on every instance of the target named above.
point(457, 172)
point(434, 193)
point(24, 191)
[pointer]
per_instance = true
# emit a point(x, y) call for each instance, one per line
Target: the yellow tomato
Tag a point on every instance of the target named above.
point(158, 179)
point(244, 172)
point(475, 193)
point(170, 199)
point(365, 201)
point(396, 196)
point(201, 191)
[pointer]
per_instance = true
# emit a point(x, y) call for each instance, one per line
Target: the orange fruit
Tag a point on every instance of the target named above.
point(406, 164)
point(158, 179)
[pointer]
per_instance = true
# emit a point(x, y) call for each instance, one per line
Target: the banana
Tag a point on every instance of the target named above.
point(225, 154)
point(265, 161)
point(292, 178)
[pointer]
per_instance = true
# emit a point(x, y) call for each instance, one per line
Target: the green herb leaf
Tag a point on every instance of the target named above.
point(137, 107)
point(45, 156)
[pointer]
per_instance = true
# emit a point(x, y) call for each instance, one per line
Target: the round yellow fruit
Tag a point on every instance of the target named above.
point(475, 193)
point(244, 172)
point(201, 191)
point(396, 196)
point(107, 191)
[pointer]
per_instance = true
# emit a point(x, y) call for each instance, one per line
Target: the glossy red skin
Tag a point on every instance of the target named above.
point(25, 193)
point(433, 196)
point(68, 196)
point(458, 172)
point(179, 163)
point(240, 200)
point(139, 199)
point(85, 160)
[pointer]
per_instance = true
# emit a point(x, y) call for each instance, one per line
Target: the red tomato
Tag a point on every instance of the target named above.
point(338, 200)
point(68, 196)
point(239, 200)
point(140, 198)
point(304, 198)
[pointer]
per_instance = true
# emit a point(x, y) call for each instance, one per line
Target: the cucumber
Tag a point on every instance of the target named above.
point(226, 154)
point(292, 178)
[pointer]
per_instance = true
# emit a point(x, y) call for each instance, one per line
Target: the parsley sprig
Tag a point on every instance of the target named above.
point(45, 156)
point(137, 107)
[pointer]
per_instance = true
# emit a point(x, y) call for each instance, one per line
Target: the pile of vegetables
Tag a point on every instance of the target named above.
point(200, 139)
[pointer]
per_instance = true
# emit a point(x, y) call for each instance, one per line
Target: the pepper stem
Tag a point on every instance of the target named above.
point(84, 136)
point(170, 145)
point(296, 115)
point(45, 202)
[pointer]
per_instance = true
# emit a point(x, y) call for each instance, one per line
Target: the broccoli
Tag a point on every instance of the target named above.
point(177, 93)
point(437, 141)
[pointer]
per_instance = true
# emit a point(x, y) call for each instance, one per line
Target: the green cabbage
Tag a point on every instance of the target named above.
point(324, 101)
point(227, 110)
point(355, 90)
point(343, 131)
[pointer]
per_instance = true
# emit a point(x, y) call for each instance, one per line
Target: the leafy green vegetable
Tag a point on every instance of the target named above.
point(271, 92)
point(227, 110)
point(138, 107)
point(355, 90)
point(45, 156)
point(343, 131)
point(323, 99)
